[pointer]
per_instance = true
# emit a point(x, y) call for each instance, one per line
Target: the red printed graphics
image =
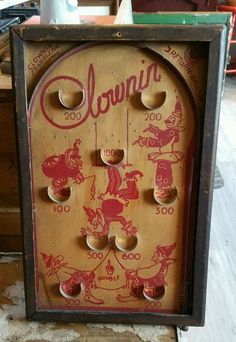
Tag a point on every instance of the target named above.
point(73, 281)
point(191, 61)
point(74, 278)
point(117, 196)
point(112, 245)
point(154, 286)
point(64, 166)
point(95, 106)
point(164, 140)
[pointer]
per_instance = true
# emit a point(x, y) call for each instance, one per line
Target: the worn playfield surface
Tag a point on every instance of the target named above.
point(113, 141)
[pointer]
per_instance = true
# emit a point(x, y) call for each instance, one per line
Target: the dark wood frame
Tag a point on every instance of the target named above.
point(214, 37)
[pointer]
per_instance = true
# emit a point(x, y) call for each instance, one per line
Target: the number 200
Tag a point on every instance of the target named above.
point(153, 116)
point(72, 116)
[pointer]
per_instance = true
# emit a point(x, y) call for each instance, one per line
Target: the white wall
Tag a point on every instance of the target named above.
point(94, 10)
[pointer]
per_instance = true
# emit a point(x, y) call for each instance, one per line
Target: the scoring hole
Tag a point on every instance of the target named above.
point(112, 157)
point(153, 101)
point(126, 243)
point(71, 100)
point(153, 293)
point(97, 244)
point(165, 196)
point(70, 289)
point(59, 195)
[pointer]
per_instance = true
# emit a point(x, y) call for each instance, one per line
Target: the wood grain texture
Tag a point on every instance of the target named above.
point(220, 323)
point(9, 193)
point(5, 81)
point(119, 32)
point(7, 128)
point(10, 223)
point(11, 243)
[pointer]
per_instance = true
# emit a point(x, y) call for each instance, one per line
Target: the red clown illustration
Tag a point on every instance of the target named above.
point(114, 200)
point(164, 140)
point(64, 166)
point(71, 278)
point(153, 286)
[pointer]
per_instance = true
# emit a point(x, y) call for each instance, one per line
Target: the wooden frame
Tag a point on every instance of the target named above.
point(213, 38)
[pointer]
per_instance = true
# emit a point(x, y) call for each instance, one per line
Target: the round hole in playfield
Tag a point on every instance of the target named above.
point(153, 101)
point(126, 243)
point(97, 243)
point(153, 293)
point(112, 156)
point(165, 196)
point(59, 195)
point(71, 100)
point(70, 289)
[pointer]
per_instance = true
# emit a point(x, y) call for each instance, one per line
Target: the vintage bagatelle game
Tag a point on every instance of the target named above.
point(116, 133)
